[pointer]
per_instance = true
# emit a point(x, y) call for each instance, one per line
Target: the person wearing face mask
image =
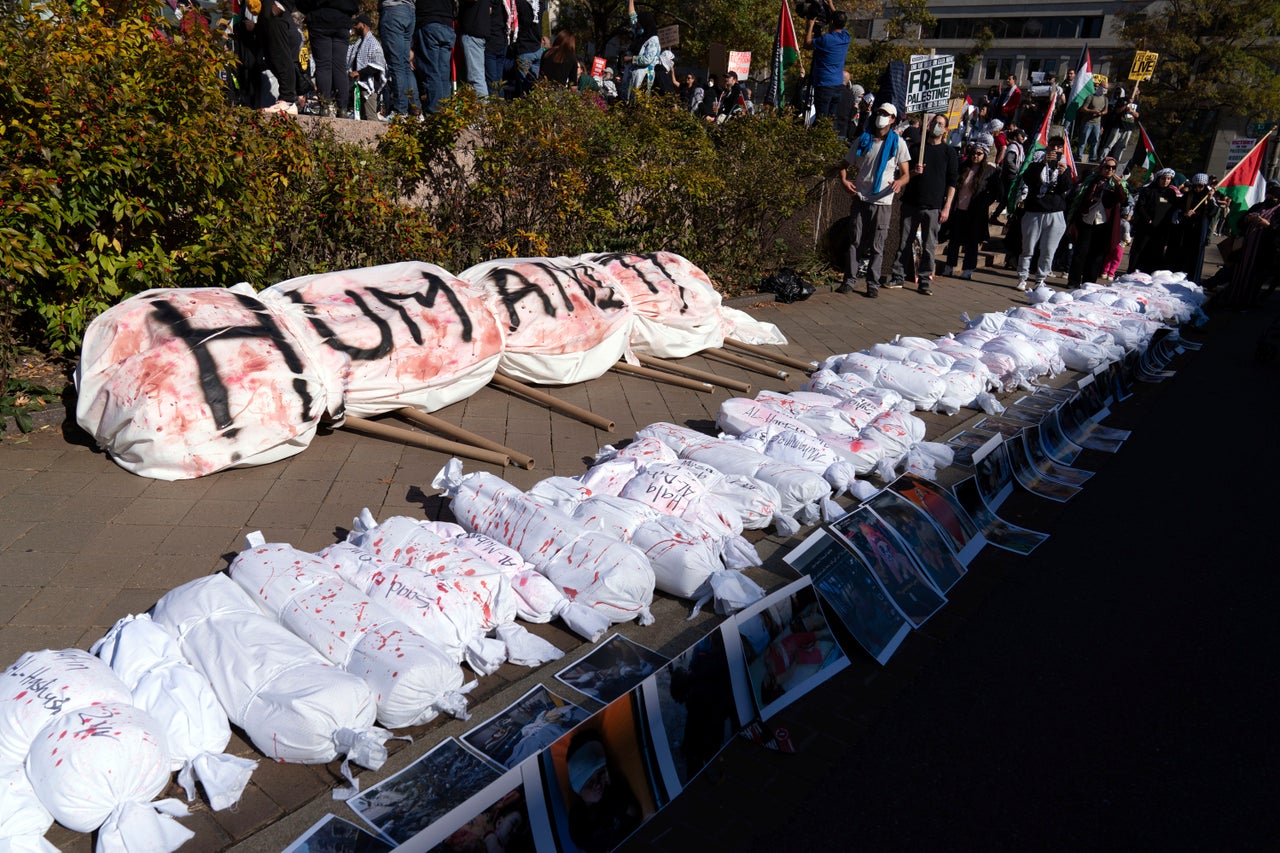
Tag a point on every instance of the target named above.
point(1044, 213)
point(976, 188)
point(875, 169)
point(926, 204)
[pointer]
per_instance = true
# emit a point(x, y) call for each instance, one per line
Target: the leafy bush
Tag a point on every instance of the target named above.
point(124, 169)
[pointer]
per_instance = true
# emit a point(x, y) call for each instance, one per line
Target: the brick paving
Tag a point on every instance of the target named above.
point(83, 543)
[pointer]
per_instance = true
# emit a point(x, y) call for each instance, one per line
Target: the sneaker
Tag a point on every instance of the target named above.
point(846, 286)
point(872, 291)
point(924, 289)
point(947, 271)
point(966, 275)
point(282, 107)
point(1022, 284)
point(894, 284)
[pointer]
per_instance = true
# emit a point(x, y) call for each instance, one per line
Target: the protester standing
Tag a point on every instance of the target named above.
point(1153, 222)
point(328, 31)
point(926, 204)
point(366, 66)
point(829, 52)
point(878, 160)
point(473, 29)
point(396, 19)
point(1044, 212)
point(1094, 222)
point(433, 51)
point(976, 187)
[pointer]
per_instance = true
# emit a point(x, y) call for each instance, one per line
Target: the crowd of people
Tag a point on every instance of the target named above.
point(956, 180)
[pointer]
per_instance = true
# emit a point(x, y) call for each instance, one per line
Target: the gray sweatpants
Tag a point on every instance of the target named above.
point(1044, 230)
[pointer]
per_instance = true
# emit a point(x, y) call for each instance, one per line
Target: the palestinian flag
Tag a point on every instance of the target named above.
point(1082, 87)
point(1245, 184)
point(786, 50)
point(1146, 153)
point(1040, 143)
point(1069, 159)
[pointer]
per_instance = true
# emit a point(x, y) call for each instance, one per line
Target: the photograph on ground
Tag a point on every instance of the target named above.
point(501, 818)
point(961, 531)
point(994, 475)
point(332, 834)
point(616, 666)
point(1046, 465)
point(965, 444)
point(997, 531)
point(787, 646)
point(407, 803)
point(601, 780)
point(1025, 472)
point(691, 710)
point(916, 530)
point(525, 727)
point(908, 586)
point(851, 591)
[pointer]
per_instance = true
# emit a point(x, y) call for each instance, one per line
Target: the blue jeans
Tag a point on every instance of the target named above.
point(395, 31)
point(1094, 131)
point(434, 47)
point(495, 71)
point(527, 65)
point(826, 99)
point(473, 50)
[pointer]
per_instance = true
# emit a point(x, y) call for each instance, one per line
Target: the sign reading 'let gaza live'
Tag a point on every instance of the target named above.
point(929, 83)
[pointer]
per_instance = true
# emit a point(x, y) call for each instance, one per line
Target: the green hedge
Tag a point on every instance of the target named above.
point(124, 169)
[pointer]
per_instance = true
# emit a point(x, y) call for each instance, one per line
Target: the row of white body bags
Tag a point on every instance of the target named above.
point(292, 703)
point(611, 577)
point(73, 748)
point(412, 680)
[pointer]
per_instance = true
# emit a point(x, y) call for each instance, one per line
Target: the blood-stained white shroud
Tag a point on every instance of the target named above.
point(406, 334)
point(567, 320)
point(180, 383)
point(677, 308)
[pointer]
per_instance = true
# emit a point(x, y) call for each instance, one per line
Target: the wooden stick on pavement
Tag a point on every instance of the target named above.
point(744, 362)
point(694, 373)
point(421, 439)
point(577, 412)
point(659, 376)
point(765, 353)
point(443, 427)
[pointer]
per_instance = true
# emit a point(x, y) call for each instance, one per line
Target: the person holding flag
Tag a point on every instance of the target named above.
point(829, 52)
point(1048, 181)
point(1198, 206)
point(1255, 261)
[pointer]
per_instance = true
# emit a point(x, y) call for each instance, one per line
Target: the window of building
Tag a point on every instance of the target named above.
point(1038, 27)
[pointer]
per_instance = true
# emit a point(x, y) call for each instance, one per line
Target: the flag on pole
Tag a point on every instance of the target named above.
point(1245, 185)
point(1081, 87)
point(1040, 143)
point(786, 50)
point(1069, 160)
point(1146, 153)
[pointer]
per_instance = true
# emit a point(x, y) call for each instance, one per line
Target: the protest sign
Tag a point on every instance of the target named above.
point(1144, 65)
point(668, 36)
point(929, 83)
point(740, 63)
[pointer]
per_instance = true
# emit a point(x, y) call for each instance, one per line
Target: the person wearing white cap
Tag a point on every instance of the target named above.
point(874, 172)
point(603, 810)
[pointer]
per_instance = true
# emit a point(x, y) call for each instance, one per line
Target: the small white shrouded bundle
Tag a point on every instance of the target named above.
point(463, 579)
point(99, 767)
point(738, 414)
point(404, 334)
point(820, 416)
point(42, 685)
point(426, 603)
point(806, 451)
point(611, 577)
point(677, 308)
point(149, 662)
point(294, 705)
point(539, 600)
point(686, 561)
point(566, 319)
point(23, 818)
point(842, 385)
point(896, 432)
point(179, 383)
point(412, 680)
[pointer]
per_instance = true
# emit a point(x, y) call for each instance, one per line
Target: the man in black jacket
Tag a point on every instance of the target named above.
point(926, 204)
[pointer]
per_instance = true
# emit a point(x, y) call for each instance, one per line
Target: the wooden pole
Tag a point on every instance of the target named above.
point(694, 373)
point(420, 439)
point(456, 432)
point(659, 376)
point(753, 349)
point(745, 363)
point(587, 417)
